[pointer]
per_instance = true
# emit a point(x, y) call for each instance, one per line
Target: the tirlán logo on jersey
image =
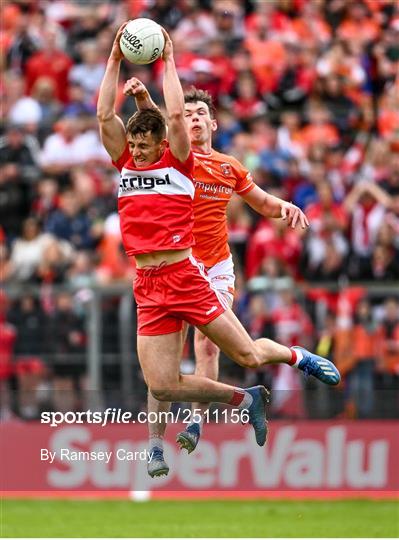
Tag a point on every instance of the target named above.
point(130, 183)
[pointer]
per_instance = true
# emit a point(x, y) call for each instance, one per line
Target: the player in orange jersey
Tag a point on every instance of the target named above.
point(216, 177)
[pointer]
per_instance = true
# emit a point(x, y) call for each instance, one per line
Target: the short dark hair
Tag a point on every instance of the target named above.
point(147, 120)
point(195, 94)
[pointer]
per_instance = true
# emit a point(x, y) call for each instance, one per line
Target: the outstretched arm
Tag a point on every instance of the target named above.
point(112, 130)
point(272, 207)
point(178, 137)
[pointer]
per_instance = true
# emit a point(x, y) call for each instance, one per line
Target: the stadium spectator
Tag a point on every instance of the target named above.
point(195, 30)
point(294, 83)
point(45, 199)
point(70, 223)
point(23, 44)
point(338, 61)
point(63, 149)
point(66, 339)
point(247, 101)
point(18, 153)
point(51, 62)
point(14, 192)
point(358, 25)
point(78, 105)
point(81, 273)
point(86, 24)
point(320, 403)
point(166, 12)
point(20, 109)
point(286, 132)
point(318, 130)
point(343, 110)
point(326, 246)
point(389, 369)
point(30, 320)
point(305, 192)
point(367, 347)
point(367, 203)
point(27, 251)
point(56, 258)
point(273, 239)
point(43, 91)
point(89, 73)
point(383, 266)
point(273, 159)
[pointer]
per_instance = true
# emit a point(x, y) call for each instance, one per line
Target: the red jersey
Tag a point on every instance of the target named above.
point(55, 66)
point(217, 176)
point(155, 204)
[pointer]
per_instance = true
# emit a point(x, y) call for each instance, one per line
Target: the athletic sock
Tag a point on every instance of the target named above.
point(296, 357)
point(241, 399)
point(156, 441)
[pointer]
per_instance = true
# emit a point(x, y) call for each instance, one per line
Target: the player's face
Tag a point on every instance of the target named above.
point(144, 149)
point(199, 122)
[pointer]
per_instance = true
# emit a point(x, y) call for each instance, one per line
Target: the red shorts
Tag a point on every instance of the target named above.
point(168, 295)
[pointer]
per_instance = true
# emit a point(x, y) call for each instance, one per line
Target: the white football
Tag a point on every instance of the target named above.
point(142, 41)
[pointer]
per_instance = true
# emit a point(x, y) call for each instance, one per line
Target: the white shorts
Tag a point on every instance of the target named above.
point(222, 278)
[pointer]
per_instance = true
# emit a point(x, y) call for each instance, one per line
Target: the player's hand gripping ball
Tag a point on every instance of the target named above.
point(142, 41)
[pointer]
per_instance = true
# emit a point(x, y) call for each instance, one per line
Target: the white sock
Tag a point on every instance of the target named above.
point(156, 441)
point(247, 401)
point(299, 356)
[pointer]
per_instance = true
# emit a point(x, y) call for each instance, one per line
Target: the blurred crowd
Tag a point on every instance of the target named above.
point(307, 98)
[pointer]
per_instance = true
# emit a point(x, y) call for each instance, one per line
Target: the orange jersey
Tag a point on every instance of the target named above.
point(216, 177)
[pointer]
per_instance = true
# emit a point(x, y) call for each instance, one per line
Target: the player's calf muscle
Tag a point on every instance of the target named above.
point(270, 352)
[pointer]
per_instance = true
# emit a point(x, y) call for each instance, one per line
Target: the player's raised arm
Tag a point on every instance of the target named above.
point(272, 207)
point(112, 130)
point(135, 88)
point(178, 137)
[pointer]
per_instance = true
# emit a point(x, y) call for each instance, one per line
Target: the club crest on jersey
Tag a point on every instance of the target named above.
point(130, 183)
point(226, 168)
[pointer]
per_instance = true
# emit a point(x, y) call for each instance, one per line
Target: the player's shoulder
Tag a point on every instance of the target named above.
point(226, 158)
point(186, 167)
point(229, 165)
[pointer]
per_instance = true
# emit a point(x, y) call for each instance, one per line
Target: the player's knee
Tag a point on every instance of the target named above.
point(161, 393)
point(249, 359)
point(208, 352)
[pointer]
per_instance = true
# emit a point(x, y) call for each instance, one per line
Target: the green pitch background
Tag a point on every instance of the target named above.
point(49, 518)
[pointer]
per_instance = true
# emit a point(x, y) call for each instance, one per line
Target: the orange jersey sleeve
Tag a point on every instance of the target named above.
point(216, 177)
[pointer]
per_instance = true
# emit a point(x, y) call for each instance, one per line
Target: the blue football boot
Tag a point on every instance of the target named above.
point(188, 439)
point(319, 367)
point(157, 466)
point(257, 412)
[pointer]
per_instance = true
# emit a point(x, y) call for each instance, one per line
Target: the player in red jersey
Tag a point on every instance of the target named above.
point(156, 214)
point(217, 177)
